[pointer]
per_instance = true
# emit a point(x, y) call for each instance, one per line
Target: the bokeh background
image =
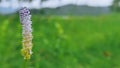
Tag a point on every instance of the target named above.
point(66, 34)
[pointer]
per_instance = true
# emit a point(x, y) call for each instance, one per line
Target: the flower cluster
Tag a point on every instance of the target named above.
point(25, 19)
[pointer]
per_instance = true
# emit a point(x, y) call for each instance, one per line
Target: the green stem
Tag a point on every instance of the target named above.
point(26, 64)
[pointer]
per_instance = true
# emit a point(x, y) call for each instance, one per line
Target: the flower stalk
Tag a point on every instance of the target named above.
point(25, 19)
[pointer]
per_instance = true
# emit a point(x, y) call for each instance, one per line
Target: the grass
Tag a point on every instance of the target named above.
point(63, 42)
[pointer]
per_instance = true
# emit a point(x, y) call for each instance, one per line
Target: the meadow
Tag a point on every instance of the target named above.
point(63, 42)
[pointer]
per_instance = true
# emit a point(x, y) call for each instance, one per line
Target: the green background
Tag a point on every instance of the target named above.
point(63, 42)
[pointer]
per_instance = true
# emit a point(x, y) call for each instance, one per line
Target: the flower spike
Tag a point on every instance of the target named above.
point(25, 19)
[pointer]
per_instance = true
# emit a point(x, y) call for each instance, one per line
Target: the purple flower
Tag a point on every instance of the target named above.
point(24, 15)
point(25, 19)
point(24, 12)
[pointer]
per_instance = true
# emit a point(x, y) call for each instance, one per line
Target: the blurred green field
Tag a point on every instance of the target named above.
point(63, 42)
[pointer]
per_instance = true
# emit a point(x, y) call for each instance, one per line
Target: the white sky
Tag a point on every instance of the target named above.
point(97, 3)
point(56, 3)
